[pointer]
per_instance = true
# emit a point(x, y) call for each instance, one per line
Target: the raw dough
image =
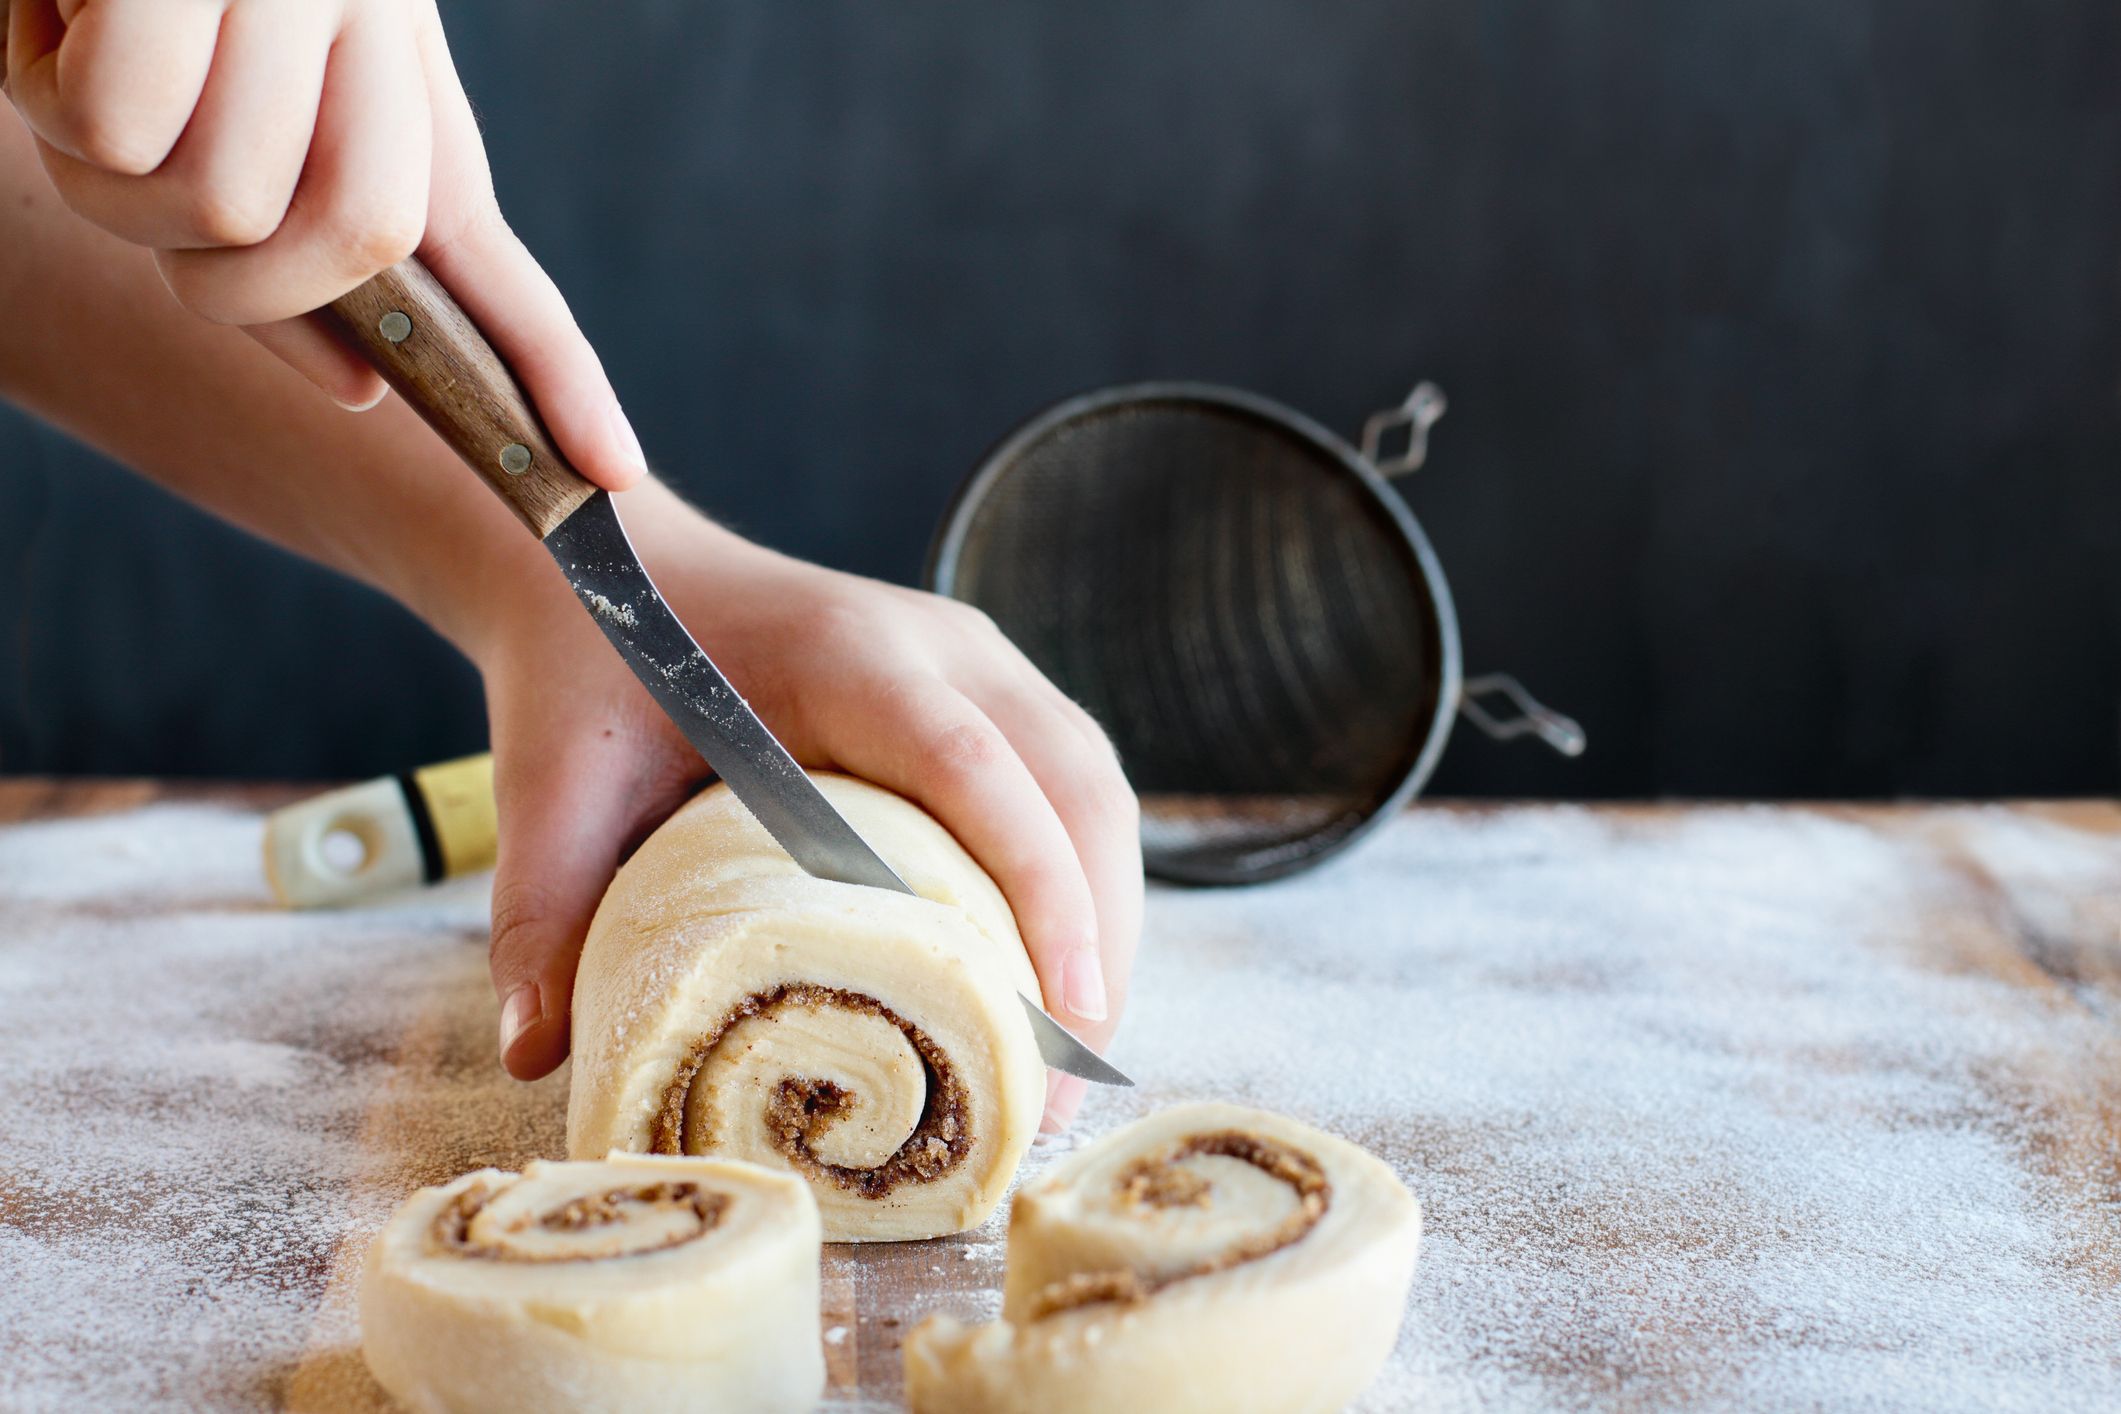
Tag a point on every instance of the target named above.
point(874, 1043)
point(637, 1284)
point(1209, 1257)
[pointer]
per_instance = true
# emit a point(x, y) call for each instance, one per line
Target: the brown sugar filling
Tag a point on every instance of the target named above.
point(801, 1109)
point(1165, 1186)
point(1157, 1182)
point(452, 1226)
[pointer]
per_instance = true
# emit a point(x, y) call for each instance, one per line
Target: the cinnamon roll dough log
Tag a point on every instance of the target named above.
point(636, 1284)
point(872, 1042)
point(1209, 1257)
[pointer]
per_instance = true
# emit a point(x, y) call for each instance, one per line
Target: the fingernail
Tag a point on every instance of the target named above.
point(518, 1014)
point(1083, 984)
point(629, 440)
point(367, 403)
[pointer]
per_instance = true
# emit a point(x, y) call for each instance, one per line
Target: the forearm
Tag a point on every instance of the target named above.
point(96, 346)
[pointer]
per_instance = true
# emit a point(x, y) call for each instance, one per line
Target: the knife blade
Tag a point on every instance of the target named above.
point(429, 350)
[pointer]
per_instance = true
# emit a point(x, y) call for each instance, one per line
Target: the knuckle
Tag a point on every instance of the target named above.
point(470, 225)
point(851, 631)
point(1101, 809)
point(364, 232)
point(385, 238)
point(838, 624)
point(1093, 732)
point(225, 218)
point(111, 140)
point(970, 616)
point(520, 908)
point(965, 749)
point(1096, 790)
point(1109, 801)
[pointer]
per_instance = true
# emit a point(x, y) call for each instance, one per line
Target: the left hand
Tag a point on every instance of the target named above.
point(917, 693)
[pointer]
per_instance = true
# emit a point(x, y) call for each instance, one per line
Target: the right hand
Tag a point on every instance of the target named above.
point(275, 154)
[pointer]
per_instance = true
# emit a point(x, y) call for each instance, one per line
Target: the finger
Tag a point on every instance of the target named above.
point(480, 260)
point(1064, 1096)
point(567, 809)
point(1082, 779)
point(361, 204)
point(319, 353)
point(1087, 785)
point(557, 853)
point(113, 84)
point(232, 175)
point(934, 746)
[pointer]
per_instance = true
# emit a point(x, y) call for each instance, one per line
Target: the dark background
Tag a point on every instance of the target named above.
point(1781, 338)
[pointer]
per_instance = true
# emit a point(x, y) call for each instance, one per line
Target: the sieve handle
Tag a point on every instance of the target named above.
point(1417, 414)
point(1529, 717)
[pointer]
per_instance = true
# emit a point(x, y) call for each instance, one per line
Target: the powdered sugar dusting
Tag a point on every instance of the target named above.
point(1721, 1113)
point(1732, 1109)
point(207, 1105)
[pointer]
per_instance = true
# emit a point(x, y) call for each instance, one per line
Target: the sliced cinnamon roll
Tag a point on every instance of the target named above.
point(1208, 1258)
point(635, 1284)
point(871, 1042)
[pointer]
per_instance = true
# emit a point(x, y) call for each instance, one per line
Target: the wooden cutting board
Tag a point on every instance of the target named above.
point(1708, 1107)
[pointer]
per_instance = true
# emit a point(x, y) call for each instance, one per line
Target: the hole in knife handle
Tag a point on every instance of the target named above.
point(343, 851)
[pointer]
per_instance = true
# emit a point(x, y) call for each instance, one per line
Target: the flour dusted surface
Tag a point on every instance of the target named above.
point(1721, 1109)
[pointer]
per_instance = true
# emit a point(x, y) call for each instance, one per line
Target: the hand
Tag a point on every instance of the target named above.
point(275, 154)
point(914, 692)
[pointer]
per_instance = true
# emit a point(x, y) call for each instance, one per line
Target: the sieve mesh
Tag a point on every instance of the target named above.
point(1246, 608)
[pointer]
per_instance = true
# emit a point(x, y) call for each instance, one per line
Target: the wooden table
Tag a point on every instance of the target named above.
point(1715, 1106)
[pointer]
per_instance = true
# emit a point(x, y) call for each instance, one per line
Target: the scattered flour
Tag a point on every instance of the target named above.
point(1744, 1111)
point(606, 607)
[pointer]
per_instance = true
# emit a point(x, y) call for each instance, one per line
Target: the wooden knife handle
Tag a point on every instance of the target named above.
point(427, 348)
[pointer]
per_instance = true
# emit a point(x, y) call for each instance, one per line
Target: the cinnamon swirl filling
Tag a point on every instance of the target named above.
point(457, 1227)
point(800, 1110)
point(1156, 1181)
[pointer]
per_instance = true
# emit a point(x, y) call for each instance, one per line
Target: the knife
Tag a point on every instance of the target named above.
point(429, 350)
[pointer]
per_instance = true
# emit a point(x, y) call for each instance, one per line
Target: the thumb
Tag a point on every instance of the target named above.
point(561, 831)
point(472, 250)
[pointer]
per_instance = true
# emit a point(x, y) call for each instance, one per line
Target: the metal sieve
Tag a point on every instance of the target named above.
point(1243, 601)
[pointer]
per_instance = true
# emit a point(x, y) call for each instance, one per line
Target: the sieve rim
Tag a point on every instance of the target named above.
point(939, 575)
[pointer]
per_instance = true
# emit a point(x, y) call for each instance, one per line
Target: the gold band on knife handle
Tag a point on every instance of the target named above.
point(459, 799)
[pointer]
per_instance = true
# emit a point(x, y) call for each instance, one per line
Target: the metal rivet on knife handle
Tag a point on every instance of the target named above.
point(515, 458)
point(395, 326)
point(446, 371)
